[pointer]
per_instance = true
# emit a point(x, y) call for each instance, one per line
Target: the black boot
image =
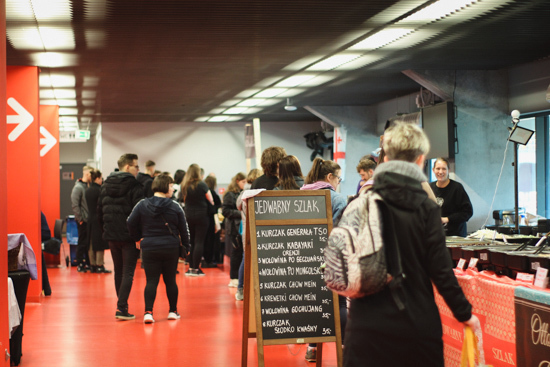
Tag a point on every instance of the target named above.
point(94, 269)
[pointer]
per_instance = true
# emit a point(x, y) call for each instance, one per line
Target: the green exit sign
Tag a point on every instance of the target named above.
point(82, 134)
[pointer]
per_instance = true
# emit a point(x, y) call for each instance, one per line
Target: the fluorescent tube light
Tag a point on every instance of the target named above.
point(439, 9)
point(269, 102)
point(235, 110)
point(231, 102)
point(68, 111)
point(359, 62)
point(88, 94)
point(251, 102)
point(270, 92)
point(233, 118)
point(90, 81)
point(334, 61)
point(26, 38)
point(295, 80)
point(57, 80)
point(68, 119)
point(64, 93)
point(247, 93)
point(52, 10)
point(380, 39)
point(54, 59)
point(47, 94)
point(55, 38)
point(292, 92)
point(218, 118)
point(320, 79)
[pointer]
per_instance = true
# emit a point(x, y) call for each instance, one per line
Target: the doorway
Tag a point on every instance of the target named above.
point(69, 173)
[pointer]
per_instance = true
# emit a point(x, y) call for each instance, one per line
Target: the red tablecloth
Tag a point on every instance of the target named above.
point(492, 298)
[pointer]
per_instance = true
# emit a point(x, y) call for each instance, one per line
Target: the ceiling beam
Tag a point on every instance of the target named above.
point(428, 84)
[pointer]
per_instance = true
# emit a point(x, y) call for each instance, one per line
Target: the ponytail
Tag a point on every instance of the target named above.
point(320, 170)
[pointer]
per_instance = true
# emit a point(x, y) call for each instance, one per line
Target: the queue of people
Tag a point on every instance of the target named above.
point(180, 220)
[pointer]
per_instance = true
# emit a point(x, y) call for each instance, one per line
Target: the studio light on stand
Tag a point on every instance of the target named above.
point(518, 135)
point(289, 106)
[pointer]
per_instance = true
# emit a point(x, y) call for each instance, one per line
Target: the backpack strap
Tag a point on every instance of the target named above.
point(393, 255)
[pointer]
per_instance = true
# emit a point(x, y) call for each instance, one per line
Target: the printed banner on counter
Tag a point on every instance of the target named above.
point(493, 304)
point(532, 327)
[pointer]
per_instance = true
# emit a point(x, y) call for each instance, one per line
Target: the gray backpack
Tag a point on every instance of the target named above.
point(362, 257)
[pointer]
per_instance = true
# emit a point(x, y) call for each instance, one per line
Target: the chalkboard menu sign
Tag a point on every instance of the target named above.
point(288, 231)
point(294, 300)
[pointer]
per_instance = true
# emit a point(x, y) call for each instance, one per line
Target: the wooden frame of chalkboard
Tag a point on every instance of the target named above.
point(286, 300)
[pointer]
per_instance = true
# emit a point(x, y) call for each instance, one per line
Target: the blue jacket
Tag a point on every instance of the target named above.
point(146, 222)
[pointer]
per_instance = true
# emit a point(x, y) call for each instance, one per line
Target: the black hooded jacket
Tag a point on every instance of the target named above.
point(149, 220)
point(378, 332)
point(119, 194)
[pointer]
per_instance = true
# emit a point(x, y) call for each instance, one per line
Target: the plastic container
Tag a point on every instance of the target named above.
point(72, 237)
point(72, 230)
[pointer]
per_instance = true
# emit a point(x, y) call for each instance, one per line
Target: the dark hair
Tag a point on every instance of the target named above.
point(149, 163)
point(191, 179)
point(210, 182)
point(95, 174)
point(270, 158)
point(289, 167)
point(178, 176)
point(366, 163)
point(253, 175)
point(320, 170)
point(234, 185)
point(161, 183)
point(126, 159)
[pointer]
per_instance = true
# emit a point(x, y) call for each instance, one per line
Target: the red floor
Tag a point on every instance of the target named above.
point(76, 326)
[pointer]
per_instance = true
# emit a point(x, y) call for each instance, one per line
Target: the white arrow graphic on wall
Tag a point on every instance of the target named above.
point(48, 141)
point(23, 119)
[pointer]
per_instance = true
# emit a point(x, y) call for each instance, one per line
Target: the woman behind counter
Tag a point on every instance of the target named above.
point(160, 224)
point(455, 204)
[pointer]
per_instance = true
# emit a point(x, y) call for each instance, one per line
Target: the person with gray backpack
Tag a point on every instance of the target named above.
point(397, 322)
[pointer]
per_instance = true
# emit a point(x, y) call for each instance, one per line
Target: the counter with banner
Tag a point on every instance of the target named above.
point(505, 309)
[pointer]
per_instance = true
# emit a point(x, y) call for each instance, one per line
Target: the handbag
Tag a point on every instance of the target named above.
point(52, 246)
point(236, 238)
point(183, 250)
point(472, 350)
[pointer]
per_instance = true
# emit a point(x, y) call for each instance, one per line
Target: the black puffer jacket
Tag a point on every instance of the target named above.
point(119, 194)
point(149, 221)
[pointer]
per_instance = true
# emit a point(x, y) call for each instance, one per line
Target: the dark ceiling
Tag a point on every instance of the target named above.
point(148, 61)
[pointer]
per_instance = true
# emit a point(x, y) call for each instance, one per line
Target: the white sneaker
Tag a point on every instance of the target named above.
point(239, 296)
point(173, 316)
point(148, 318)
point(233, 283)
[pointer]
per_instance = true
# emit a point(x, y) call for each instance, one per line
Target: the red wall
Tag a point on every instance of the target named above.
point(4, 324)
point(23, 164)
point(49, 164)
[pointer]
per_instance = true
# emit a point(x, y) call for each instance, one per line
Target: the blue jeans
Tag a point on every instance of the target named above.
point(241, 273)
point(125, 256)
